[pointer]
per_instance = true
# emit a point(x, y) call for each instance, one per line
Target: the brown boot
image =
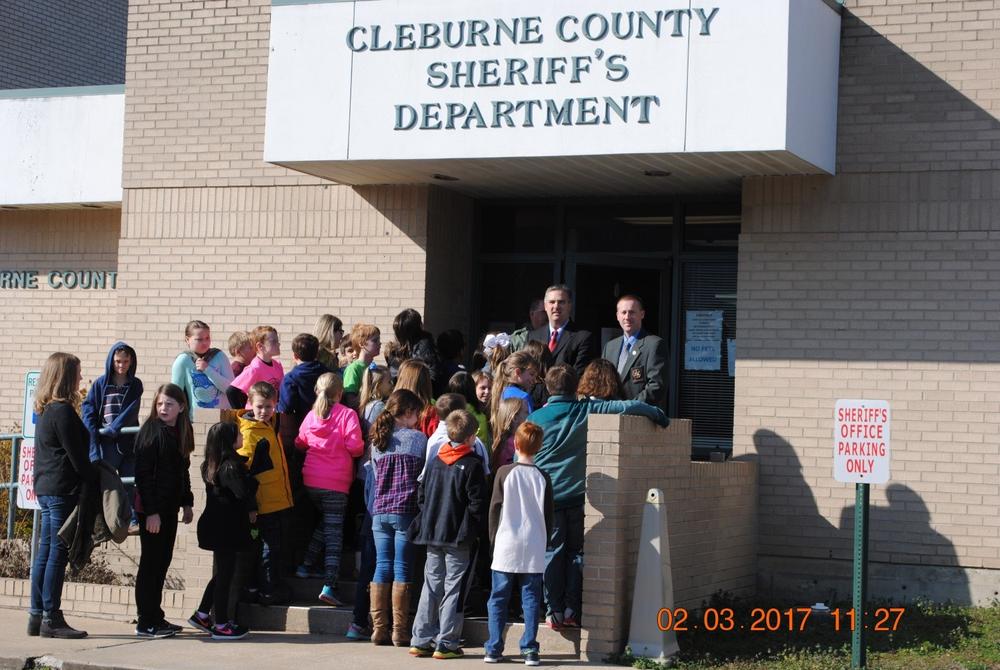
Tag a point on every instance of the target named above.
point(401, 613)
point(381, 601)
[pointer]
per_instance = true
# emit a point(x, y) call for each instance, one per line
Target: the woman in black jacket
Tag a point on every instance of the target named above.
point(62, 465)
point(163, 487)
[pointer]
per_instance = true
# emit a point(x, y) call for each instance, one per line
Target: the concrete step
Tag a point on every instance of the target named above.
point(326, 620)
point(306, 591)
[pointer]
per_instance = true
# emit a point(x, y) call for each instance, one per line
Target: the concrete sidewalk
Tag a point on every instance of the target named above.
point(113, 645)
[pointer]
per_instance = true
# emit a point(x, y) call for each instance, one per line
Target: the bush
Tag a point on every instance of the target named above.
point(15, 563)
point(22, 517)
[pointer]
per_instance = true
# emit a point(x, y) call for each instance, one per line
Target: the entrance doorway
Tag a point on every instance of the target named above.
point(600, 284)
point(679, 258)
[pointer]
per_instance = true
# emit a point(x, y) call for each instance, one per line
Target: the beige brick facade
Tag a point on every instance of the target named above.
point(38, 321)
point(196, 83)
point(881, 283)
point(711, 517)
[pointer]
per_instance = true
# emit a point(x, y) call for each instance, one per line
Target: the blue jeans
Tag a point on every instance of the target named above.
point(393, 552)
point(49, 568)
point(362, 601)
point(531, 594)
point(564, 562)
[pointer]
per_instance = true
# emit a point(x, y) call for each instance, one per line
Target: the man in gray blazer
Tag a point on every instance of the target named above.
point(639, 356)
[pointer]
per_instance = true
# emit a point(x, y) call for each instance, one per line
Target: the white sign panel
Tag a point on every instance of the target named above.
point(439, 79)
point(26, 476)
point(29, 418)
point(62, 148)
point(861, 441)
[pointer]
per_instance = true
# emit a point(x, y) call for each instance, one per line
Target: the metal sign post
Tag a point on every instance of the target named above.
point(860, 634)
point(861, 456)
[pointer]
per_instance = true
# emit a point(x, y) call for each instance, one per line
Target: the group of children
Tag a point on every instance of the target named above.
point(454, 475)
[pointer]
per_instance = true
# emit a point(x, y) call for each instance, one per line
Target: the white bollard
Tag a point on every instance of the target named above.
point(654, 585)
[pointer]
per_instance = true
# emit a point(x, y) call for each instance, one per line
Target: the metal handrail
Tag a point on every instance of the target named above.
point(12, 485)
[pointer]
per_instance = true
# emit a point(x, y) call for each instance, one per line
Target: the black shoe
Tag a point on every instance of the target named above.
point(155, 631)
point(172, 626)
point(55, 626)
point(268, 598)
point(34, 625)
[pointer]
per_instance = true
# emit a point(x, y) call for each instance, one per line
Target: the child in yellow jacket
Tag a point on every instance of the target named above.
point(266, 461)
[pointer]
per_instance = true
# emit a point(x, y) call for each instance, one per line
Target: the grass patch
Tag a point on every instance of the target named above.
point(928, 637)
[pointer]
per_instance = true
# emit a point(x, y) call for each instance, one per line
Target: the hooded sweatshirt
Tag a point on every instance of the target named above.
point(92, 410)
point(332, 444)
point(453, 498)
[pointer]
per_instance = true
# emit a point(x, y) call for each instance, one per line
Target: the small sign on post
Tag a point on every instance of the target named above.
point(861, 456)
point(861, 442)
point(29, 418)
point(26, 476)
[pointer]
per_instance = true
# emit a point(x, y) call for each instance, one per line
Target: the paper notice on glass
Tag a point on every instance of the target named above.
point(731, 356)
point(703, 341)
point(704, 325)
point(702, 355)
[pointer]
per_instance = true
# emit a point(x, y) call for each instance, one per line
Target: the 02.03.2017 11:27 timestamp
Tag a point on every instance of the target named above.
point(773, 619)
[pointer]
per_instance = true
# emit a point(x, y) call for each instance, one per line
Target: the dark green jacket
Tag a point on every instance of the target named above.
point(563, 456)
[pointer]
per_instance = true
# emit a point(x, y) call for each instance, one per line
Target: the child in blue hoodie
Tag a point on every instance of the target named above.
point(112, 403)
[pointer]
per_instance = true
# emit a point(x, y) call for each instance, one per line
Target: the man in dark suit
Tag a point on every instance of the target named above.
point(566, 343)
point(639, 356)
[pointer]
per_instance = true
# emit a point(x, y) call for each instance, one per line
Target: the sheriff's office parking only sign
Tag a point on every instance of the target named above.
point(861, 441)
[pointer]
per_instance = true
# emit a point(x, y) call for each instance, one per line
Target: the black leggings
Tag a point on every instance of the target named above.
point(217, 590)
point(154, 561)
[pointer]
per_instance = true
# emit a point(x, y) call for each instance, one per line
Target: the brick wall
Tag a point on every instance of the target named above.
point(52, 44)
point(919, 86)
point(881, 283)
point(36, 322)
point(711, 516)
point(195, 96)
point(240, 257)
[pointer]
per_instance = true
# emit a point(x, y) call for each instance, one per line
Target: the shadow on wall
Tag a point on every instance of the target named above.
point(901, 533)
point(900, 538)
point(790, 500)
point(892, 108)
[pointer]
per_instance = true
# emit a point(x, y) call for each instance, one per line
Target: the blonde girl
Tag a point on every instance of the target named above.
point(331, 436)
point(514, 379)
point(329, 330)
point(376, 386)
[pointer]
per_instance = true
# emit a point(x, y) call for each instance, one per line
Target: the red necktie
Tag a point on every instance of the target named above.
point(553, 340)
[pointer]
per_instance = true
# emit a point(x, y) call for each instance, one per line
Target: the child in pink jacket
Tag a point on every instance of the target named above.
point(331, 436)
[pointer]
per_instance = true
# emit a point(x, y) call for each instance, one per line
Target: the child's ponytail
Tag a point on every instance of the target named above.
point(329, 389)
point(399, 404)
